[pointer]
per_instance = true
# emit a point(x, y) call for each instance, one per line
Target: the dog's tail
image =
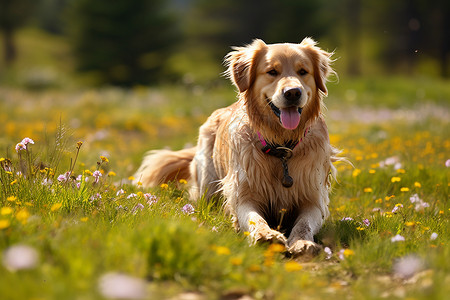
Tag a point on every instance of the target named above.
point(161, 166)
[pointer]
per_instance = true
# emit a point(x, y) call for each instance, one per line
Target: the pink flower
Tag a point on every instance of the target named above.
point(397, 238)
point(27, 141)
point(188, 209)
point(97, 174)
point(20, 147)
point(366, 222)
point(447, 163)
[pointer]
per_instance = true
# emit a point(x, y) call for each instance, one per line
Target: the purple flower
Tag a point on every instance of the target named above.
point(151, 199)
point(188, 209)
point(347, 219)
point(97, 174)
point(366, 222)
point(433, 236)
point(138, 206)
point(329, 253)
point(64, 177)
point(397, 238)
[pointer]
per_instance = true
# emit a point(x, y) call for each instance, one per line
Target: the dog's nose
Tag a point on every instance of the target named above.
point(292, 94)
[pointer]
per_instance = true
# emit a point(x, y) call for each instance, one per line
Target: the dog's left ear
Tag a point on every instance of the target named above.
point(242, 64)
point(321, 61)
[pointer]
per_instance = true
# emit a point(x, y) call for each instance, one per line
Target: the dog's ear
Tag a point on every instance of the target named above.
point(321, 62)
point(242, 64)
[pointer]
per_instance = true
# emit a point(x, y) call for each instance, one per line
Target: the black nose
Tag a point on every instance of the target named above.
point(292, 94)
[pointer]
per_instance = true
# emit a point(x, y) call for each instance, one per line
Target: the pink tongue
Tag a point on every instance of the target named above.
point(289, 117)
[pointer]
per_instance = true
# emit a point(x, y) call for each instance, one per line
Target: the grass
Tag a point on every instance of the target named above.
point(92, 236)
point(110, 227)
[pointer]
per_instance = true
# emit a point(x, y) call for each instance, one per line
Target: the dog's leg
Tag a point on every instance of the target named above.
point(301, 239)
point(252, 222)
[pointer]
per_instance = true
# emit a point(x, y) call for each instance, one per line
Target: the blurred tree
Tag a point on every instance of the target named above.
point(13, 14)
point(122, 42)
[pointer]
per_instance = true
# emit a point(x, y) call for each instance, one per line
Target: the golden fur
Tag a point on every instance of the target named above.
point(228, 157)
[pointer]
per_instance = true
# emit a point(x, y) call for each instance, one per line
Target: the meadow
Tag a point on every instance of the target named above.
point(73, 227)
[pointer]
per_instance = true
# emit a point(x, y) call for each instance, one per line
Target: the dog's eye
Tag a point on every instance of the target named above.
point(302, 72)
point(273, 72)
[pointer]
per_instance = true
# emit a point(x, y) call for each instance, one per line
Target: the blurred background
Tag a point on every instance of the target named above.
point(65, 43)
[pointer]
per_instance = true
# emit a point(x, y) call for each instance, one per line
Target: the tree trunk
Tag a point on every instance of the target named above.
point(9, 46)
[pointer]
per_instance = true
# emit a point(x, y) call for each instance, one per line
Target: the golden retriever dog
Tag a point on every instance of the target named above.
point(269, 153)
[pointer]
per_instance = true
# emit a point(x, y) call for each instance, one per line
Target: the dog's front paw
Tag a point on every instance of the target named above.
point(269, 235)
point(304, 248)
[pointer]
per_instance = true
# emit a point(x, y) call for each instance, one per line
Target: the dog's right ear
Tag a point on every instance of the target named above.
point(242, 64)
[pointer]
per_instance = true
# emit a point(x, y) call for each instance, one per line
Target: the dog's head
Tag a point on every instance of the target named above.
point(282, 84)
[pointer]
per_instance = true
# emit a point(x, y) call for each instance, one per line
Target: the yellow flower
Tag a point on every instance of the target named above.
point(368, 190)
point(79, 144)
point(292, 266)
point(104, 159)
point(404, 189)
point(220, 250)
point(56, 206)
point(348, 252)
point(6, 211)
point(88, 172)
point(409, 224)
point(236, 261)
point(401, 171)
point(2, 159)
point(131, 178)
point(250, 222)
point(84, 219)
point(164, 186)
point(111, 174)
point(4, 224)
point(11, 198)
point(276, 248)
point(254, 268)
point(182, 181)
point(359, 157)
point(246, 233)
point(356, 172)
point(441, 212)
point(379, 200)
point(417, 184)
point(13, 182)
point(360, 228)
point(22, 215)
point(388, 214)
point(372, 171)
point(396, 179)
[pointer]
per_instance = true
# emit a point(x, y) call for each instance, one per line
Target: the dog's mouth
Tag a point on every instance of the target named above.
point(289, 117)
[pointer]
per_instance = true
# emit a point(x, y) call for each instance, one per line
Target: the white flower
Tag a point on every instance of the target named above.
point(433, 236)
point(121, 286)
point(20, 257)
point(120, 192)
point(407, 266)
point(329, 253)
point(397, 238)
point(188, 209)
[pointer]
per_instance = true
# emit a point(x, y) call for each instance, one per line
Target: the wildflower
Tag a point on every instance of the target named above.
point(214, 229)
point(84, 219)
point(136, 207)
point(344, 253)
point(368, 190)
point(388, 214)
point(13, 182)
point(64, 177)
point(20, 147)
point(11, 198)
point(121, 286)
point(164, 186)
point(131, 178)
point(4, 224)
point(96, 197)
point(346, 219)
point(151, 199)
point(404, 189)
point(79, 144)
point(88, 172)
point(328, 252)
point(447, 163)
point(120, 192)
point(6, 211)
point(397, 207)
point(395, 179)
point(433, 236)
point(366, 222)
point(236, 261)
point(407, 266)
point(401, 171)
point(276, 248)
point(379, 200)
point(356, 172)
point(292, 266)
point(420, 204)
point(372, 171)
point(359, 228)
point(417, 184)
point(132, 195)
point(97, 174)
point(104, 159)
point(2, 159)
point(188, 209)
point(56, 206)
point(20, 257)
point(182, 181)
point(221, 250)
point(409, 224)
point(397, 238)
point(111, 174)
point(27, 141)
point(22, 215)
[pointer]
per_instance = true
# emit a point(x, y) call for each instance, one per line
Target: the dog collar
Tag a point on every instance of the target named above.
point(283, 152)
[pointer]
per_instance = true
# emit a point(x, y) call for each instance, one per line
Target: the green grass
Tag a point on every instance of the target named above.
point(83, 233)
